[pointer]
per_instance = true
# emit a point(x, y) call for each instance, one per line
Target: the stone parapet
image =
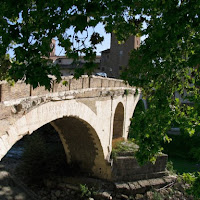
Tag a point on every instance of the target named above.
point(19, 90)
point(22, 90)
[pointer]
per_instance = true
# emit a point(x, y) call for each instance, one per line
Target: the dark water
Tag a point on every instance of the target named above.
point(16, 151)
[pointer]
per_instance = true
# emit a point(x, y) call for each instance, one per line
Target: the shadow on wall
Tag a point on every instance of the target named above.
point(140, 107)
point(43, 155)
point(118, 123)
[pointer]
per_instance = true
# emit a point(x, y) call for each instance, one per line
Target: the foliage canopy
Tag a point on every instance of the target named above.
point(166, 62)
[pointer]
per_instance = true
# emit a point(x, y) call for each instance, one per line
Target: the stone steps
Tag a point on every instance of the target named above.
point(142, 186)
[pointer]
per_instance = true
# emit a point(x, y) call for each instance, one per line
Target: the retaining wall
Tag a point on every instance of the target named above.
point(126, 168)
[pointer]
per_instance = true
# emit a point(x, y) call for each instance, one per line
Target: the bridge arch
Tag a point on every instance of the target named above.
point(63, 114)
point(139, 107)
point(118, 123)
point(81, 143)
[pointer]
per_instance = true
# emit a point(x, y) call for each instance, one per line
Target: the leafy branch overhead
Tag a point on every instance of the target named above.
point(166, 63)
point(28, 27)
point(166, 66)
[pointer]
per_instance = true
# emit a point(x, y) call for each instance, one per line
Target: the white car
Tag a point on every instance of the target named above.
point(102, 74)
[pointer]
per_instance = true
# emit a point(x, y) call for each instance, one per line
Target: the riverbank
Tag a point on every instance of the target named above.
point(74, 188)
point(59, 183)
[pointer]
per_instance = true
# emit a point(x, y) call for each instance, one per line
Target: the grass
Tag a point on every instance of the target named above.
point(121, 146)
point(182, 165)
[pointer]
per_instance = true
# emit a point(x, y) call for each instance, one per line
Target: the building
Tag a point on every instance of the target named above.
point(67, 65)
point(111, 61)
point(114, 59)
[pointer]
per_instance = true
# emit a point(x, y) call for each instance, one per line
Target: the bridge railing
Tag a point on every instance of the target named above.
point(22, 90)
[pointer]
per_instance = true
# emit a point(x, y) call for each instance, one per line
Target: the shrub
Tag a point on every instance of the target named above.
point(170, 168)
point(86, 192)
point(193, 179)
point(194, 190)
point(188, 178)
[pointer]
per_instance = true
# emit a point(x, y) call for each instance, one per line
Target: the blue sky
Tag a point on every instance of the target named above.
point(100, 47)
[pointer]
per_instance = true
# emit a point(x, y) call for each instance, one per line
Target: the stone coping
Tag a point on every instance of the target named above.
point(68, 83)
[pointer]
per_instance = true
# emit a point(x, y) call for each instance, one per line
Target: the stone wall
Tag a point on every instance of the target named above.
point(21, 90)
point(126, 168)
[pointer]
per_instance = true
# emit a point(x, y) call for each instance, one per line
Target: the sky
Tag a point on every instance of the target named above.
point(100, 47)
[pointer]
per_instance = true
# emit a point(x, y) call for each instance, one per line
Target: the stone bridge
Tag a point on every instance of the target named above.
point(87, 113)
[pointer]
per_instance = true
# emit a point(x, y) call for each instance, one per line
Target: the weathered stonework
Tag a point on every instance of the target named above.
point(83, 112)
point(126, 168)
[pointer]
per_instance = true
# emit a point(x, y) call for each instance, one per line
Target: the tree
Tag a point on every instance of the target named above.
point(167, 61)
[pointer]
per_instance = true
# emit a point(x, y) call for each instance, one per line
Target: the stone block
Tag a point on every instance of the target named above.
point(156, 183)
point(111, 83)
point(62, 86)
point(122, 187)
point(95, 82)
point(136, 188)
point(122, 84)
point(19, 90)
point(144, 183)
point(169, 179)
point(136, 177)
point(117, 83)
point(85, 81)
point(5, 112)
point(105, 83)
point(40, 91)
point(76, 84)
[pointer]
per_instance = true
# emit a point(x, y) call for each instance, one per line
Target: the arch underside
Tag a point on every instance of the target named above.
point(139, 107)
point(118, 123)
point(80, 142)
point(75, 125)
